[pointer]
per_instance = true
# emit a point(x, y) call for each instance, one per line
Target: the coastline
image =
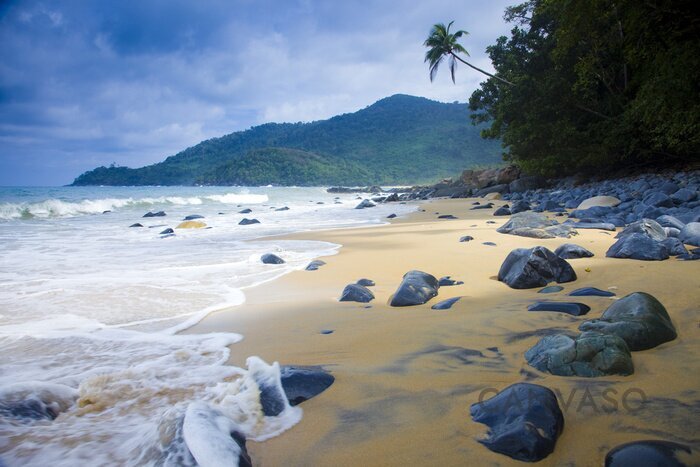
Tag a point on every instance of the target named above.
point(404, 379)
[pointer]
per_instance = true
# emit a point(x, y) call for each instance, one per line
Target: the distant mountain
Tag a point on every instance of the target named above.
point(398, 140)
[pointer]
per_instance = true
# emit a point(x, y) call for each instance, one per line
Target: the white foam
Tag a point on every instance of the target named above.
point(236, 198)
point(207, 433)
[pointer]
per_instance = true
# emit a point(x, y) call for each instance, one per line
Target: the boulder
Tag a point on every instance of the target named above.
point(301, 383)
point(638, 246)
point(674, 246)
point(506, 175)
point(526, 183)
point(670, 221)
point(589, 355)
point(245, 211)
point(570, 308)
point(684, 195)
point(269, 258)
point(658, 200)
point(466, 238)
point(648, 227)
point(416, 288)
point(520, 206)
point(154, 214)
point(525, 268)
point(191, 225)
point(365, 203)
point(502, 211)
point(491, 190)
point(356, 293)
point(167, 231)
point(605, 201)
point(391, 216)
point(690, 234)
point(572, 251)
point(366, 282)
point(524, 421)
point(638, 318)
point(648, 453)
point(247, 221)
point(534, 225)
point(493, 196)
point(314, 265)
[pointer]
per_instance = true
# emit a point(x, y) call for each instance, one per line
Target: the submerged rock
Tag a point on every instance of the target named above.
point(590, 354)
point(570, 308)
point(314, 265)
point(138, 224)
point(301, 383)
point(391, 216)
point(246, 221)
point(638, 318)
point(192, 217)
point(445, 304)
point(416, 288)
point(356, 293)
point(167, 231)
point(365, 204)
point(269, 258)
point(524, 421)
point(285, 208)
point(525, 268)
point(572, 251)
point(154, 214)
point(648, 453)
point(245, 211)
point(591, 292)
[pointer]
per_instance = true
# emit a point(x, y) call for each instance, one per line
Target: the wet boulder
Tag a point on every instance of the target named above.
point(356, 293)
point(690, 234)
point(589, 355)
point(520, 206)
point(570, 308)
point(648, 227)
point(416, 288)
point(154, 214)
point(245, 211)
point(591, 292)
point(524, 421)
point(246, 221)
point(638, 246)
point(674, 246)
point(269, 258)
point(366, 282)
point(638, 318)
point(572, 251)
point(138, 224)
point(301, 383)
point(365, 203)
point(502, 211)
point(648, 453)
point(599, 201)
point(525, 268)
point(314, 265)
point(535, 225)
point(670, 221)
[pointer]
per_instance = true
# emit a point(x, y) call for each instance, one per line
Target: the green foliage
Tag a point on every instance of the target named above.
point(397, 140)
point(597, 83)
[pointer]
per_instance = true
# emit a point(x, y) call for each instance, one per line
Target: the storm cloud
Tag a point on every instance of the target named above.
point(84, 84)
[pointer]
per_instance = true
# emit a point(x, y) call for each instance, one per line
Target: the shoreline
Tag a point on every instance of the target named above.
point(405, 377)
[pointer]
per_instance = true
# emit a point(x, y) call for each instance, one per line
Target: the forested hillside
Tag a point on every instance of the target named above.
point(397, 140)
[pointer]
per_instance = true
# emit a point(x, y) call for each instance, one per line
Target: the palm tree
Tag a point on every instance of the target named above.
point(441, 43)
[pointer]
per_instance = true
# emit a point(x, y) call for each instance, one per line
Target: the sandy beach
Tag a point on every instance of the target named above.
point(406, 377)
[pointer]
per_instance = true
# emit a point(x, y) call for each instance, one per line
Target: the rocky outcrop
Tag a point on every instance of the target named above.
point(416, 288)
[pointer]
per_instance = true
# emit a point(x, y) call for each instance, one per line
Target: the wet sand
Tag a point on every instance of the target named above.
point(405, 377)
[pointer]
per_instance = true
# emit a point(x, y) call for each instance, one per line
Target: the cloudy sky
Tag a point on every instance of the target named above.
point(88, 83)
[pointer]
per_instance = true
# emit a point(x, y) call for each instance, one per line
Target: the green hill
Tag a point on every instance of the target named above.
point(397, 140)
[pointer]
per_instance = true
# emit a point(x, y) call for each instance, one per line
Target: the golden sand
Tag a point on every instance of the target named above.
point(405, 377)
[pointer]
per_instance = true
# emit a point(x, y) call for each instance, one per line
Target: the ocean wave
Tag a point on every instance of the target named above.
point(52, 208)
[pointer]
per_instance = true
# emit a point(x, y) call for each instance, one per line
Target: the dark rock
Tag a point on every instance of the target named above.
point(684, 195)
point(314, 265)
point(489, 244)
point(32, 408)
point(591, 292)
point(326, 331)
point(647, 227)
point(638, 246)
point(416, 288)
point(524, 421)
point(106, 212)
point(670, 221)
point(366, 282)
point(551, 289)
point(136, 225)
point(154, 214)
point(638, 318)
point(247, 221)
point(285, 208)
point(520, 206)
point(570, 308)
point(301, 383)
point(690, 234)
point(668, 188)
point(482, 206)
point(446, 281)
point(192, 217)
point(590, 354)
point(365, 204)
point(466, 238)
point(167, 231)
point(447, 216)
point(659, 200)
point(525, 268)
point(650, 453)
point(245, 211)
point(502, 211)
point(535, 225)
point(688, 257)
point(392, 198)
point(445, 304)
point(572, 251)
point(356, 293)
point(391, 216)
point(526, 183)
point(269, 258)
point(674, 246)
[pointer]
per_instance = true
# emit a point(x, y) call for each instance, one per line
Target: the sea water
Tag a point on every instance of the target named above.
point(90, 310)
